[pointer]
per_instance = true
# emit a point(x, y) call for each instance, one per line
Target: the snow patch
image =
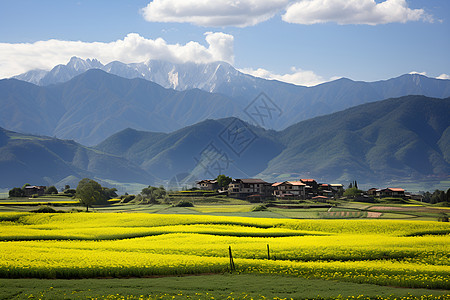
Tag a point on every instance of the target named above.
point(173, 78)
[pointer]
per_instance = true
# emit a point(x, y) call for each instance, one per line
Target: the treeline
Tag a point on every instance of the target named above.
point(20, 192)
point(436, 197)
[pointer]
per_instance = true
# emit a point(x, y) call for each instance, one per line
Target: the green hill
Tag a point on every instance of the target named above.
point(49, 161)
point(203, 149)
point(405, 137)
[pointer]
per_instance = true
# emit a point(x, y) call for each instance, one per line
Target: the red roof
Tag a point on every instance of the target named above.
point(277, 183)
point(250, 180)
point(396, 189)
point(207, 181)
point(307, 180)
point(320, 197)
point(296, 183)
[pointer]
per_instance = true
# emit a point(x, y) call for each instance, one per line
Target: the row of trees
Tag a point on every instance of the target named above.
point(436, 197)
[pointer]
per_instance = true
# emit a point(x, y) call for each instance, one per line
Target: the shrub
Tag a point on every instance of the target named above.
point(128, 198)
point(259, 208)
point(46, 210)
point(443, 218)
point(184, 203)
point(70, 192)
point(51, 190)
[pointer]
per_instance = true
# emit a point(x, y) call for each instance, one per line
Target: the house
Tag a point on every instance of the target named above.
point(320, 198)
point(325, 190)
point(295, 189)
point(208, 184)
point(312, 183)
point(31, 190)
point(243, 188)
point(390, 192)
point(372, 191)
point(336, 187)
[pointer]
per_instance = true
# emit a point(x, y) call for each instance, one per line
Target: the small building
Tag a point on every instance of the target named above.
point(243, 188)
point(336, 187)
point(31, 190)
point(372, 191)
point(208, 184)
point(295, 189)
point(320, 198)
point(390, 192)
point(311, 183)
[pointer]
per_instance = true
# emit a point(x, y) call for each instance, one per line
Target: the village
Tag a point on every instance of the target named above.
point(256, 190)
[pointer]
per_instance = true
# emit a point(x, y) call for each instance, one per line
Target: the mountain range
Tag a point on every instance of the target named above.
point(95, 104)
point(405, 138)
point(164, 123)
point(80, 101)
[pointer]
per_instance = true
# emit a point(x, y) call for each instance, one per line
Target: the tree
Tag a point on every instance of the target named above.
point(356, 184)
point(109, 193)
point(352, 192)
point(70, 192)
point(442, 196)
point(16, 192)
point(89, 192)
point(223, 180)
point(436, 197)
point(51, 190)
point(151, 194)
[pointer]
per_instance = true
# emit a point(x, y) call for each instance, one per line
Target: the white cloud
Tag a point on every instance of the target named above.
point(19, 58)
point(297, 76)
point(443, 76)
point(240, 13)
point(221, 45)
point(353, 12)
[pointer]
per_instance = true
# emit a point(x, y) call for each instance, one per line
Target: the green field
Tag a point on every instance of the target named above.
point(224, 206)
point(216, 286)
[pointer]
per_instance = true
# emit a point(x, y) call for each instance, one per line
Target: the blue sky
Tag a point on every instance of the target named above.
point(300, 41)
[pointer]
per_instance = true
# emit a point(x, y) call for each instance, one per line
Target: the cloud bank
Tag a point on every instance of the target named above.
point(242, 13)
point(22, 57)
point(343, 12)
point(239, 13)
point(297, 76)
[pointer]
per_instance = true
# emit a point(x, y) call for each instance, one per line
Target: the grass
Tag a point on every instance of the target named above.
point(224, 206)
point(237, 286)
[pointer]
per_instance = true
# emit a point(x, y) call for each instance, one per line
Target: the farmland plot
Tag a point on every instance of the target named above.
point(413, 254)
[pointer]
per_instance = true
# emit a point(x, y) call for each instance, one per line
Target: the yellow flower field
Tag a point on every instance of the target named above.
point(80, 245)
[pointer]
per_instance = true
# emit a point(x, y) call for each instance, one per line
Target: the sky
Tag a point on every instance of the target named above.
point(304, 42)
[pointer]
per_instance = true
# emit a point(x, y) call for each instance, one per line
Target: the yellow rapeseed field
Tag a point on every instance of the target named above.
point(80, 245)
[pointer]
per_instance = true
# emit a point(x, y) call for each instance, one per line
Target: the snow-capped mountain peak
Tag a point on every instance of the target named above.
point(207, 76)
